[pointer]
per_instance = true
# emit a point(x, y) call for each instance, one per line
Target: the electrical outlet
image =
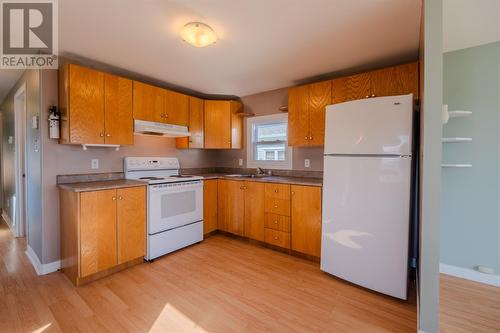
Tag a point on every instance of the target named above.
point(307, 163)
point(94, 164)
point(240, 162)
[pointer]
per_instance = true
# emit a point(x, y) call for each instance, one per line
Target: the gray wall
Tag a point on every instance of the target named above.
point(264, 104)
point(470, 227)
point(68, 159)
point(33, 158)
point(431, 49)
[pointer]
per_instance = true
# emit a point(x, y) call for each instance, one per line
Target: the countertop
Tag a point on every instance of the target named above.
point(268, 179)
point(101, 185)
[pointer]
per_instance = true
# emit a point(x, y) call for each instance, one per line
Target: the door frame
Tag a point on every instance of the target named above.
point(20, 218)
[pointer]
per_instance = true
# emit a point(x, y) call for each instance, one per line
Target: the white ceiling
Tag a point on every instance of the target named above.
point(469, 23)
point(264, 44)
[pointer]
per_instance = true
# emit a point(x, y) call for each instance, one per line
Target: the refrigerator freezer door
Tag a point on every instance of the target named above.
point(372, 126)
point(366, 221)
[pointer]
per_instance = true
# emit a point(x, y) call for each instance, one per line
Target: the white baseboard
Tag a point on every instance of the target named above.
point(41, 269)
point(470, 274)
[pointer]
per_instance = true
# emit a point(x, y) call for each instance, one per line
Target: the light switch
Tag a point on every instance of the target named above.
point(240, 162)
point(307, 163)
point(94, 163)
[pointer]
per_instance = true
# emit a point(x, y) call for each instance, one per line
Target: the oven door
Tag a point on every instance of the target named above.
point(173, 205)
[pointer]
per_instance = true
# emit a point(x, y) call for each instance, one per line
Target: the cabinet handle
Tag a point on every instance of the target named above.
point(166, 115)
point(120, 197)
point(311, 137)
point(275, 222)
point(293, 193)
point(373, 95)
point(101, 134)
point(306, 137)
point(276, 238)
point(108, 135)
point(275, 206)
point(367, 96)
point(276, 191)
point(113, 198)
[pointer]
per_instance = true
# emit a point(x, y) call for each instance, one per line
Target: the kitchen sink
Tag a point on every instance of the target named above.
point(246, 176)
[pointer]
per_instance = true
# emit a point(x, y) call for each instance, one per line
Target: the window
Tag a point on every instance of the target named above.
point(267, 142)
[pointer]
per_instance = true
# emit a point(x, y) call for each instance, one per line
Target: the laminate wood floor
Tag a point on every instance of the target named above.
point(468, 306)
point(220, 285)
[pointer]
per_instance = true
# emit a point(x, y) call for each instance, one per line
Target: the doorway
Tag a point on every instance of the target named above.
point(19, 200)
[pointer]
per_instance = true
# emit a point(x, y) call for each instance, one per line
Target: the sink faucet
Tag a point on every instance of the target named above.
point(260, 171)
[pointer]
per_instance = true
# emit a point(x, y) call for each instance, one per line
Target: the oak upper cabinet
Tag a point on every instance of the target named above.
point(148, 102)
point(176, 108)
point(101, 230)
point(96, 108)
point(153, 103)
point(209, 205)
point(306, 219)
point(254, 210)
point(196, 125)
point(118, 107)
point(223, 126)
point(306, 113)
point(390, 81)
point(231, 206)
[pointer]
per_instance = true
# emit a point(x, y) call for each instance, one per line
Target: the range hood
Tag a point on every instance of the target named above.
point(161, 129)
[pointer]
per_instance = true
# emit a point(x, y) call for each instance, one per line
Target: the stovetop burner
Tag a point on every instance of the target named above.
point(152, 178)
point(181, 176)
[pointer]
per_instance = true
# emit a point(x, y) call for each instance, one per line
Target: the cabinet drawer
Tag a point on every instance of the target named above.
point(278, 191)
point(278, 238)
point(277, 222)
point(278, 206)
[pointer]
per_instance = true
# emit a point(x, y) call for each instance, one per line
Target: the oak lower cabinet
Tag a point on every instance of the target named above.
point(241, 208)
point(102, 231)
point(306, 219)
point(210, 190)
point(277, 215)
point(223, 126)
point(96, 107)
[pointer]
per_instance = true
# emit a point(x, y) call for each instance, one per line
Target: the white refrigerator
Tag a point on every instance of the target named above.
point(367, 192)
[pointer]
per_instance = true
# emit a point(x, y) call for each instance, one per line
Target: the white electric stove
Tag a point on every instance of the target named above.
point(175, 203)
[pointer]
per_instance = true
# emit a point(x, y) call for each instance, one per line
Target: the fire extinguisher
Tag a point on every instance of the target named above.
point(54, 118)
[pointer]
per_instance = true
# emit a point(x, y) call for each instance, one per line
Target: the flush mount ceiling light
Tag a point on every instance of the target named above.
point(198, 34)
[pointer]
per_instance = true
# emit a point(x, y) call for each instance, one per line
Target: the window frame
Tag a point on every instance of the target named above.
point(261, 120)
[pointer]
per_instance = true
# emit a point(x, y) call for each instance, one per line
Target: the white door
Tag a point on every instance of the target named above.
point(372, 126)
point(366, 205)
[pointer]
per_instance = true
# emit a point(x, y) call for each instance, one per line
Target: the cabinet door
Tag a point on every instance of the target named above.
point(231, 206)
point(298, 116)
point(86, 105)
point(254, 210)
point(118, 109)
point(97, 231)
point(306, 219)
point(196, 120)
point(148, 102)
point(236, 125)
point(320, 95)
point(397, 80)
point(217, 124)
point(176, 110)
point(131, 223)
point(351, 88)
point(209, 206)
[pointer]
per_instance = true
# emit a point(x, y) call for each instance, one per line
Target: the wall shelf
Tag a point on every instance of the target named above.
point(459, 113)
point(456, 165)
point(456, 139)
